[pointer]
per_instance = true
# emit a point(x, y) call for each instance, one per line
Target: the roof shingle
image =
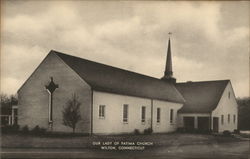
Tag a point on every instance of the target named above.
point(115, 80)
point(201, 97)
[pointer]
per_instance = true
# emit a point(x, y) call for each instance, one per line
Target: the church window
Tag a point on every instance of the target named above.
point(171, 115)
point(101, 111)
point(125, 113)
point(228, 118)
point(222, 119)
point(50, 107)
point(234, 118)
point(143, 114)
point(158, 115)
point(229, 95)
point(51, 87)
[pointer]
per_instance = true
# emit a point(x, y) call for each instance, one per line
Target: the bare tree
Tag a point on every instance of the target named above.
point(6, 102)
point(71, 112)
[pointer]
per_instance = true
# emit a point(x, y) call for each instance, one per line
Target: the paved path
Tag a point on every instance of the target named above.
point(232, 150)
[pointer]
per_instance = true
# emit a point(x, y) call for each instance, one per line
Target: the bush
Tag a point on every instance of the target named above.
point(15, 128)
point(236, 131)
point(148, 131)
point(38, 131)
point(10, 129)
point(25, 129)
point(226, 133)
point(35, 129)
point(136, 132)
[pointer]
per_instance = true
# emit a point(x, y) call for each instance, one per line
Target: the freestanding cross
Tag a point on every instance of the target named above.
point(51, 87)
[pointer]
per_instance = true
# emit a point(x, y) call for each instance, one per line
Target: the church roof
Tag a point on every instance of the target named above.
point(106, 78)
point(201, 97)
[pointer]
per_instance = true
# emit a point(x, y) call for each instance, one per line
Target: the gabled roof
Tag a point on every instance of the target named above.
point(106, 78)
point(201, 97)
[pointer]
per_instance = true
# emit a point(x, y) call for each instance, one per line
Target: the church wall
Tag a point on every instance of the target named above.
point(113, 123)
point(33, 97)
point(227, 106)
point(164, 125)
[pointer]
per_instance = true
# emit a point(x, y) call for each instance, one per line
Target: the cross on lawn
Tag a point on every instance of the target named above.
point(51, 87)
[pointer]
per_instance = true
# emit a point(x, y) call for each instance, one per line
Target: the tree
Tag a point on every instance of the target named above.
point(244, 111)
point(7, 101)
point(71, 112)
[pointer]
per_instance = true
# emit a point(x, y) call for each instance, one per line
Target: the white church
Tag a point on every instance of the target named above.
point(118, 101)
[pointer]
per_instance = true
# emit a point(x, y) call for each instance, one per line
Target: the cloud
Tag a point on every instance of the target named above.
point(10, 85)
point(19, 62)
point(133, 33)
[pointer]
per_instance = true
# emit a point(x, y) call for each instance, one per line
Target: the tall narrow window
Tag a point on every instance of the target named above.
point(51, 87)
point(234, 118)
point(101, 111)
point(229, 95)
point(143, 114)
point(228, 118)
point(222, 119)
point(125, 113)
point(171, 115)
point(158, 115)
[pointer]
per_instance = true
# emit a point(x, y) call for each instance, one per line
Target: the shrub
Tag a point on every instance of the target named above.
point(15, 128)
point(10, 129)
point(35, 129)
point(42, 130)
point(236, 131)
point(148, 131)
point(226, 133)
point(136, 132)
point(38, 131)
point(25, 129)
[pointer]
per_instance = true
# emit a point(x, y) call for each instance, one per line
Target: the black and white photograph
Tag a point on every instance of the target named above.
point(125, 79)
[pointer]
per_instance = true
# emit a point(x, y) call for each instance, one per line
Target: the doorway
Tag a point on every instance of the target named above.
point(215, 124)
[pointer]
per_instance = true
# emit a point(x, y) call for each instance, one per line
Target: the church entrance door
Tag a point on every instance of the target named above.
point(215, 124)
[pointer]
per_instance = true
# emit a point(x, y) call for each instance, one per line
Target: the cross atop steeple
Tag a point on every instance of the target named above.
point(168, 74)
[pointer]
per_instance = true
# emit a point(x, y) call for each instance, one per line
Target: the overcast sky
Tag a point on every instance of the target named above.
point(210, 40)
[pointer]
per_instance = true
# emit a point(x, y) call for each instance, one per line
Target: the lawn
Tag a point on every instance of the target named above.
point(174, 145)
point(31, 141)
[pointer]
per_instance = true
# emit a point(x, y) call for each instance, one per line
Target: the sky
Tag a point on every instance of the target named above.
point(209, 41)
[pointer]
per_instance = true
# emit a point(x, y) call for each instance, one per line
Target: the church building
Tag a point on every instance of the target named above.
point(117, 101)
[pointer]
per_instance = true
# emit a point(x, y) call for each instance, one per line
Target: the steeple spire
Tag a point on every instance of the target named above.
point(168, 68)
point(168, 74)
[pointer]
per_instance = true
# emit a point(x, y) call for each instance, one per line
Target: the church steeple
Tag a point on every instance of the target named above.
point(168, 68)
point(168, 74)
